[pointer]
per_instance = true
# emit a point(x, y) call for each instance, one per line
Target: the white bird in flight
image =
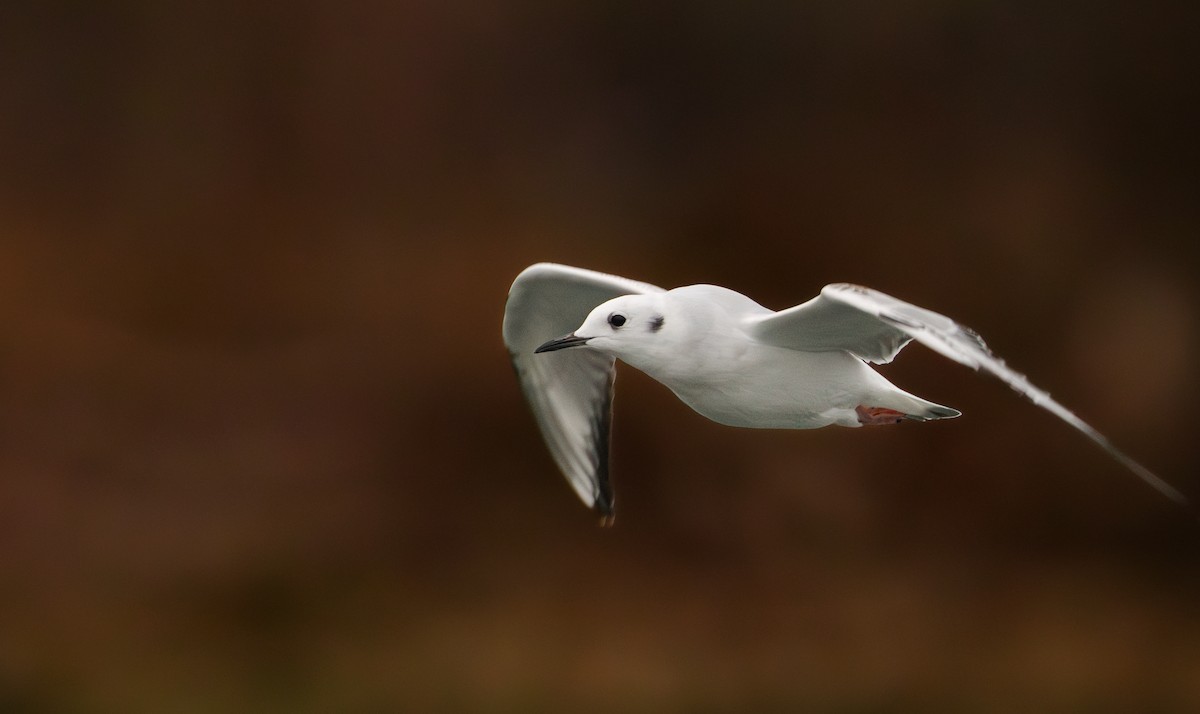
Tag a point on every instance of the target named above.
point(730, 359)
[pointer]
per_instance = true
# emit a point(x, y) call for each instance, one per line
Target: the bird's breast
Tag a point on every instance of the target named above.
point(763, 386)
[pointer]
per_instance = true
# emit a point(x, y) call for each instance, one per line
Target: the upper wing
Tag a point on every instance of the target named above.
point(875, 326)
point(827, 323)
point(570, 391)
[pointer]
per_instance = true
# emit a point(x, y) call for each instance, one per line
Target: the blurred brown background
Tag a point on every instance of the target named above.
point(261, 448)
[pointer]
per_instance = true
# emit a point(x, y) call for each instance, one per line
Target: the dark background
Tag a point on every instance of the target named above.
point(261, 448)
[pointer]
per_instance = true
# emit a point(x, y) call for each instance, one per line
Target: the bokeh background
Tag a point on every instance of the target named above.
point(261, 448)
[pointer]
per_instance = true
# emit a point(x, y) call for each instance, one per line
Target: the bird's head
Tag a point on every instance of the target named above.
point(629, 327)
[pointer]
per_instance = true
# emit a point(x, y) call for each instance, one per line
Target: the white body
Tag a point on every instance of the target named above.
point(710, 362)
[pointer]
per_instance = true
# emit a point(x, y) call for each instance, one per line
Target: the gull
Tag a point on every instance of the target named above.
point(731, 360)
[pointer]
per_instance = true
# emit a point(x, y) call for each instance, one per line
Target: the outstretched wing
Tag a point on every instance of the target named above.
point(570, 391)
point(875, 326)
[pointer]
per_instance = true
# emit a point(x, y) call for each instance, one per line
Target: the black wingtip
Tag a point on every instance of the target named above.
point(604, 505)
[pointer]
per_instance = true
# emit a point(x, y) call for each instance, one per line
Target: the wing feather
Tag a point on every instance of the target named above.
point(875, 326)
point(569, 391)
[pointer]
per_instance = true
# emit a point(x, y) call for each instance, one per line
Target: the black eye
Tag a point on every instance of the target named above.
point(616, 319)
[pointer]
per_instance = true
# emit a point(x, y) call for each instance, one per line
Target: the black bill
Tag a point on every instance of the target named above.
point(562, 343)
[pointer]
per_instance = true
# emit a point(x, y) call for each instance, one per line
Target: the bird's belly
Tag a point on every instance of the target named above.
point(782, 389)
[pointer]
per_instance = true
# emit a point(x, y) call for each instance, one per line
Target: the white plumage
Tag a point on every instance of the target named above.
point(729, 358)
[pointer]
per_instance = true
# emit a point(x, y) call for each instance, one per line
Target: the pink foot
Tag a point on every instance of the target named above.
point(874, 416)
